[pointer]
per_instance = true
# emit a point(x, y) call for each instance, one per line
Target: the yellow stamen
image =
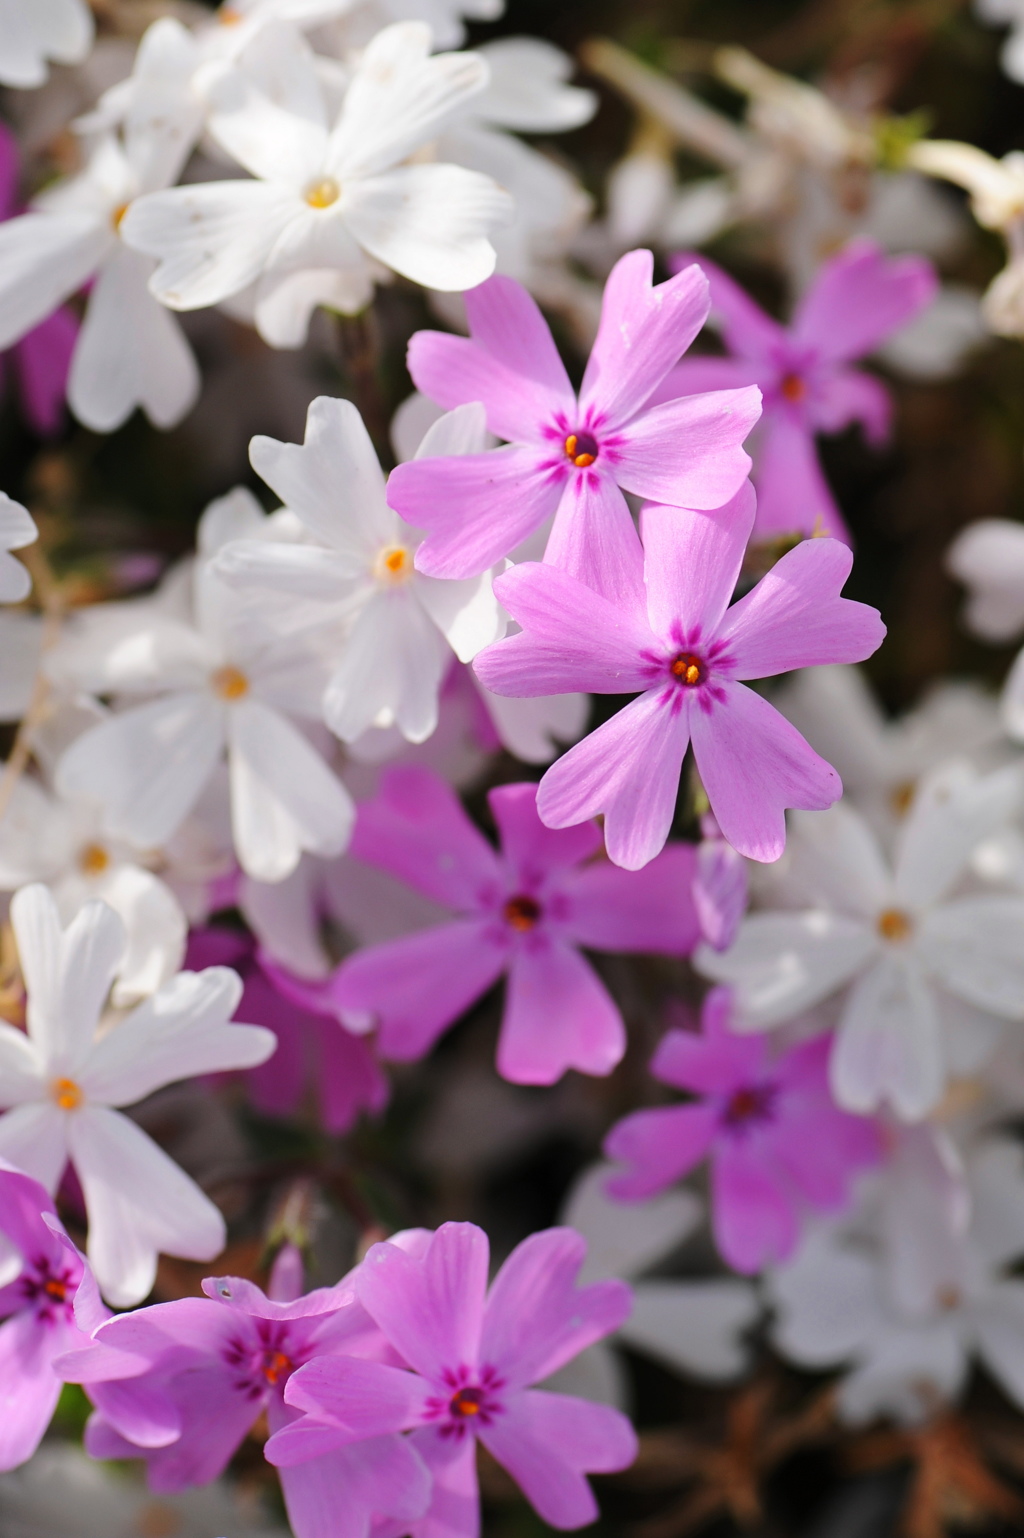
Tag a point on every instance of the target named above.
point(229, 683)
point(900, 798)
point(228, 16)
point(894, 925)
point(118, 214)
point(93, 860)
point(67, 1094)
point(393, 564)
point(687, 668)
point(584, 458)
point(323, 192)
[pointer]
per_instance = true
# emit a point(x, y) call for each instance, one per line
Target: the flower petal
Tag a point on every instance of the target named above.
point(692, 562)
point(32, 1137)
point(44, 258)
point(784, 963)
point(548, 1442)
point(558, 1015)
point(534, 850)
point(661, 1145)
point(430, 222)
point(888, 1047)
point(650, 910)
point(859, 297)
point(689, 451)
point(594, 539)
point(975, 948)
point(430, 1306)
point(793, 496)
point(67, 973)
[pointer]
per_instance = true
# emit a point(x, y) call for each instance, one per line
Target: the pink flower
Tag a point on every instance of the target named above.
point(313, 1050)
point(474, 1355)
point(522, 912)
point(682, 645)
point(180, 1384)
point(566, 457)
point(856, 300)
point(775, 1141)
point(720, 887)
point(43, 356)
point(41, 1275)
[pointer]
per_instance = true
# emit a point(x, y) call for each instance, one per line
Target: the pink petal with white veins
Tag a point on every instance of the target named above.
point(688, 451)
point(558, 1015)
point(691, 564)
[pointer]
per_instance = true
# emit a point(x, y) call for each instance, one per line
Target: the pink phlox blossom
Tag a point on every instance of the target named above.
point(859, 297)
point(180, 1384)
point(315, 1054)
point(776, 1142)
point(40, 1273)
point(686, 652)
point(474, 1355)
point(522, 912)
point(570, 458)
point(42, 357)
point(720, 886)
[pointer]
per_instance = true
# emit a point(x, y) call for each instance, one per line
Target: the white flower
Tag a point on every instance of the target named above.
point(227, 678)
point(445, 18)
point(910, 1339)
point(880, 759)
point(44, 838)
point(65, 1077)
point(17, 529)
point(130, 351)
point(918, 956)
point(694, 1327)
point(1007, 13)
point(401, 627)
point(988, 558)
point(34, 31)
point(326, 204)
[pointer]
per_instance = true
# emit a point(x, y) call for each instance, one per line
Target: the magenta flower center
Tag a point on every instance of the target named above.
point(275, 1366)
point(522, 913)
point(48, 1290)
point(749, 1105)
point(689, 669)
point(582, 449)
point(468, 1401)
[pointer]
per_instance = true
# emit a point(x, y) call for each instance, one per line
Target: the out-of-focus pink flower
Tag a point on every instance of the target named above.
point(523, 913)
point(857, 299)
point(680, 643)
point(566, 457)
point(313, 1050)
point(39, 1277)
point(720, 886)
point(474, 1355)
point(776, 1141)
point(180, 1384)
point(43, 356)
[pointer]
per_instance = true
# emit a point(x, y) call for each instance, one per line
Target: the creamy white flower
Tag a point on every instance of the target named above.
point(910, 1347)
point(693, 1327)
point(62, 843)
point(17, 529)
point(446, 19)
point(401, 627)
point(64, 1079)
point(227, 678)
point(914, 951)
point(325, 204)
point(130, 351)
point(881, 759)
point(988, 558)
point(35, 32)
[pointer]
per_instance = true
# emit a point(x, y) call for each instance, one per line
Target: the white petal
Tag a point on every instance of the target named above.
point(527, 89)
point(462, 431)
point(826, 1300)
point(67, 973)
point(411, 423)
point(285, 302)
point(34, 1137)
point(835, 861)
point(466, 612)
point(285, 918)
point(908, 1372)
point(430, 223)
point(21, 645)
point(307, 571)
point(398, 97)
point(390, 672)
point(180, 1032)
point(624, 1238)
point(268, 113)
point(888, 1047)
point(131, 351)
point(15, 582)
point(953, 809)
point(332, 481)
point(833, 707)
point(695, 1326)
point(164, 114)
point(237, 515)
point(997, 1196)
point(128, 648)
point(43, 259)
point(211, 239)
point(17, 526)
point(284, 798)
point(61, 30)
point(139, 1203)
point(536, 730)
point(21, 1071)
point(988, 558)
point(783, 963)
point(155, 925)
point(999, 1328)
point(1012, 701)
point(975, 948)
point(148, 766)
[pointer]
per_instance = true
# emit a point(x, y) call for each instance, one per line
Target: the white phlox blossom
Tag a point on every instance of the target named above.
point(17, 529)
point(401, 627)
point(130, 351)
point(988, 558)
point(692, 1326)
point(931, 968)
point(326, 206)
point(909, 1293)
point(225, 678)
point(63, 843)
point(39, 33)
point(1006, 13)
point(64, 1079)
point(882, 759)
